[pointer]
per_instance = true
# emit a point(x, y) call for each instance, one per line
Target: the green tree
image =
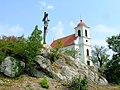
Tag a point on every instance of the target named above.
point(114, 43)
point(34, 43)
point(33, 48)
point(113, 66)
point(99, 55)
point(112, 71)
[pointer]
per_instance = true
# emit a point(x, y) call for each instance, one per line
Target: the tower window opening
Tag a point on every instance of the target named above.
point(79, 33)
point(88, 63)
point(86, 33)
point(87, 52)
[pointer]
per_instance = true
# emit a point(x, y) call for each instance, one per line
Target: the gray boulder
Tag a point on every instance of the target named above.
point(12, 67)
point(102, 81)
point(43, 62)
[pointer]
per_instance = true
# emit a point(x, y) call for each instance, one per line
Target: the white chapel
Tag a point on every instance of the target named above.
point(80, 40)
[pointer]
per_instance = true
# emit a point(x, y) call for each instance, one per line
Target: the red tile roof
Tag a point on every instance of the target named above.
point(66, 41)
point(81, 24)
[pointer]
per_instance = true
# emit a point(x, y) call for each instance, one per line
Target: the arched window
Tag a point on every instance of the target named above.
point(79, 33)
point(87, 52)
point(86, 33)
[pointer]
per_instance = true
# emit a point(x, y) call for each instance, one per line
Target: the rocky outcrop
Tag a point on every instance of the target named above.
point(12, 67)
point(45, 50)
point(63, 68)
point(43, 62)
point(67, 67)
point(102, 81)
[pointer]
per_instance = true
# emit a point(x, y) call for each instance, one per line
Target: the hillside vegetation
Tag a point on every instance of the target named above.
point(27, 64)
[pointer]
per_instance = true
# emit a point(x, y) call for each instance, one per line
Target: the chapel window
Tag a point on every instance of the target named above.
point(88, 63)
point(87, 52)
point(79, 33)
point(86, 33)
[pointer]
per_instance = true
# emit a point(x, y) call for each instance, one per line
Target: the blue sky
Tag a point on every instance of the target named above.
point(18, 17)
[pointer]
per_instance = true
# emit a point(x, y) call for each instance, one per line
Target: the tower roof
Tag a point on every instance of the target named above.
point(81, 23)
point(66, 41)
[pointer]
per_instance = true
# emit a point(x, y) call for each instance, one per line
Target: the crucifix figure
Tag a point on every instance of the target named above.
point(45, 20)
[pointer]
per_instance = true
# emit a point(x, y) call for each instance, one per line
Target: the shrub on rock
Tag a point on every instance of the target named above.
point(44, 83)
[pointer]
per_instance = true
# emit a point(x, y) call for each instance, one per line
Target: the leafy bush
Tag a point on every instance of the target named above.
point(11, 46)
point(72, 52)
point(68, 60)
point(21, 48)
point(44, 83)
point(2, 56)
point(78, 84)
point(54, 54)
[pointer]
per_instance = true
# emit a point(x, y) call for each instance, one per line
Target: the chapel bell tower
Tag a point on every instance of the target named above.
point(82, 32)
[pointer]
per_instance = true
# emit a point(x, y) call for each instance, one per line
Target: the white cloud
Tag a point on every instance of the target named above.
point(72, 24)
point(101, 32)
point(44, 5)
point(58, 30)
point(50, 7)
point(105, 29)
point(16, 30)
point(100, 42)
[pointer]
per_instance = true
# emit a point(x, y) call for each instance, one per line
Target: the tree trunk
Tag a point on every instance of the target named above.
point(100, 61)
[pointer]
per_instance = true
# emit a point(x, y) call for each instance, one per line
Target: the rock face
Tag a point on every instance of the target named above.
point(12, 67)
point(67, 67)
point(102, 81)
point(43, 62)
point(45, 50)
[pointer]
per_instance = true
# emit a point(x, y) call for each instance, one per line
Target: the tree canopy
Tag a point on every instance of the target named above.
point(112, 71)
point(99, 55)
point(114, 43)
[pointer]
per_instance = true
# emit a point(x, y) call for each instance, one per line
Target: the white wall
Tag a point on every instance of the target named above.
point(70, 47)
point(84, 44)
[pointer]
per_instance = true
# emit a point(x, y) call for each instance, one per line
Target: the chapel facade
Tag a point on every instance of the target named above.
point(80, 40)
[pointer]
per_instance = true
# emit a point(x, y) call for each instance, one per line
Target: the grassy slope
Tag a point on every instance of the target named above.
point(108, 87)
point(26, 82)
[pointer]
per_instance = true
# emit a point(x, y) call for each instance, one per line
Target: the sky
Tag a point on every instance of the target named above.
point(19, 17)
